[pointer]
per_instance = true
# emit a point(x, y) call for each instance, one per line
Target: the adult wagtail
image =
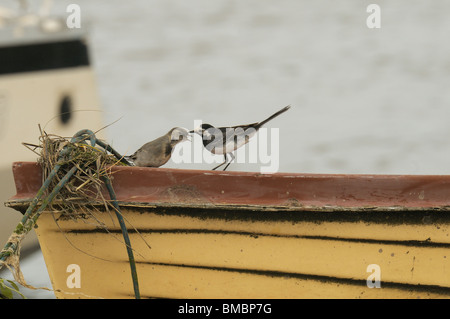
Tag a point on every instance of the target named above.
point(225, 140)
point(157, 152)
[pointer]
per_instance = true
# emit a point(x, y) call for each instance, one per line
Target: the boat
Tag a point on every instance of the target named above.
point(46, 78)
point(246, 235)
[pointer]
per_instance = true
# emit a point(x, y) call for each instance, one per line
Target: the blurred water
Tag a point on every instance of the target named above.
point(364, 100)
point(372, 101)
point(35, 273)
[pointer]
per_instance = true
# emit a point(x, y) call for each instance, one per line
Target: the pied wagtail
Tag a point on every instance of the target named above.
point(225, 140)
point(158, 152)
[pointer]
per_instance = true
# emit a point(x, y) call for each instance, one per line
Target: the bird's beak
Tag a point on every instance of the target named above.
point(191, 131)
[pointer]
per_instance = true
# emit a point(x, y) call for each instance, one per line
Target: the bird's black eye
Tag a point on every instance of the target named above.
point(65, 109)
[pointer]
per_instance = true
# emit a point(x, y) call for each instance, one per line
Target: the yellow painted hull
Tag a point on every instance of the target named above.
point(207, 249)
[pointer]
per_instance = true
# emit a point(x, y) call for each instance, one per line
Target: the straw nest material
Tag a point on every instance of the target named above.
point(80, 197)
point(84, 188)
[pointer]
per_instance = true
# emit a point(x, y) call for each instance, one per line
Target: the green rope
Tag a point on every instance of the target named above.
point(30, 217)
point(125, 236)
point(28, 220)
point(112, 195)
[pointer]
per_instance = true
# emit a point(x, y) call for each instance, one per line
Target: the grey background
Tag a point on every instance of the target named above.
point(371, 101)
point(368, 101)
point(364, 100)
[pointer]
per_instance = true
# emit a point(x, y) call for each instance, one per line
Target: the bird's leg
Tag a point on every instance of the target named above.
point(232, 159)
point(226, 159)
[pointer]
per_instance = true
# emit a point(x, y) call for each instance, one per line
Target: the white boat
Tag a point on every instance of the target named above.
point(46, 78)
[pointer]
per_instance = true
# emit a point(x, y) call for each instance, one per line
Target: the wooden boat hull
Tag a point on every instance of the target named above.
point(247, 235)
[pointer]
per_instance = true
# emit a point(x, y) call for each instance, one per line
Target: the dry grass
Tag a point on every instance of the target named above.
point(85, 186)
point(81, 197)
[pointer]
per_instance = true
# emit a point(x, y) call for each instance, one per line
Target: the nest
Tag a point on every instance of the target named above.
point(84, 169)
point(84, 189)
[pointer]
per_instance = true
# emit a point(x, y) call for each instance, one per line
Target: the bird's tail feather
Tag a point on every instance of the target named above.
point(284, 109)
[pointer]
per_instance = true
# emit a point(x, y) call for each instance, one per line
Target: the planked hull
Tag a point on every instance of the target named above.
point(246, 235)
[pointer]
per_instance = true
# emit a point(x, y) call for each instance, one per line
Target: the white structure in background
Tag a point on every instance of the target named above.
point(46, 78)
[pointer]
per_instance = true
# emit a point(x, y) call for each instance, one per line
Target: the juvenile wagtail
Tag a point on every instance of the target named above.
point(157, 152)
point(225, 140)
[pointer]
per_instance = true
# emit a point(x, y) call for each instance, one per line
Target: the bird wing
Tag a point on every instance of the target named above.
point(154, 153)
point(233, 138)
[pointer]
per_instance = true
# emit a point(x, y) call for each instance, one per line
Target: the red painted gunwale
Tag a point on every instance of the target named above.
point(179, 186)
